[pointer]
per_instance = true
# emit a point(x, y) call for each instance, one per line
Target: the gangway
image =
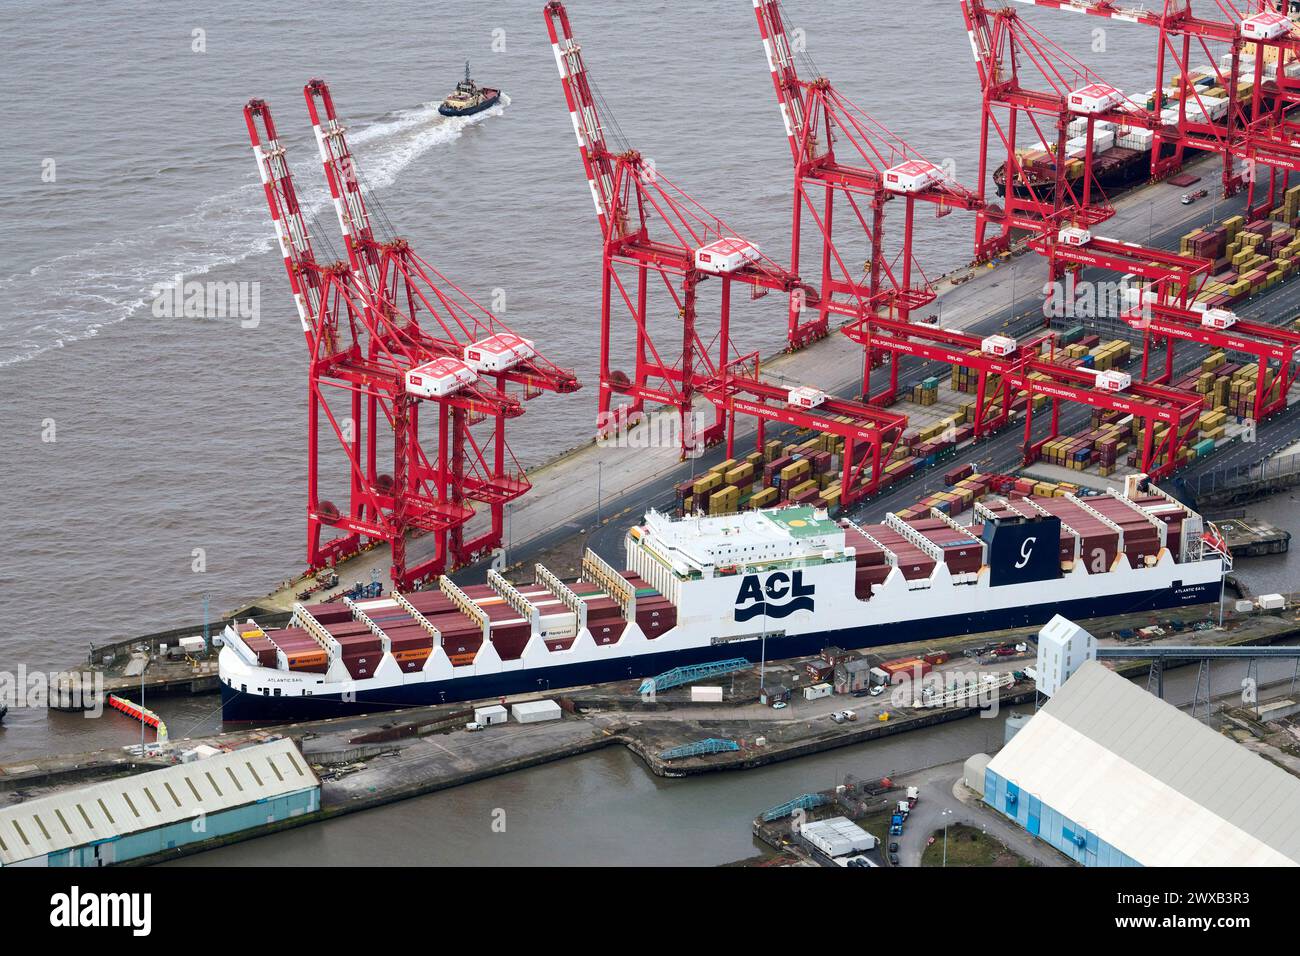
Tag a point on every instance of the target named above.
point(710, 745)
point(805, 802)
point(687, 675)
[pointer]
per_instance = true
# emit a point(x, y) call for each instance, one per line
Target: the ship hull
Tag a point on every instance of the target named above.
point(487, 104)
point(248, 707)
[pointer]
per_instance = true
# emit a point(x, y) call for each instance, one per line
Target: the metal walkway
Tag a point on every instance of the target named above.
point(686, 675)
point(712, 745)
point(1159, 656)
point(805, 802)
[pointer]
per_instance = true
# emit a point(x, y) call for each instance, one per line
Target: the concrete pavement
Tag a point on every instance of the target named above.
point(945, 799)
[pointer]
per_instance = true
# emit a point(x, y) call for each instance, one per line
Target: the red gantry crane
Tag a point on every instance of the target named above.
point(1258, 45)
point(387, 334)
point(1030, 85)
point(653, 232)
point(839, 149)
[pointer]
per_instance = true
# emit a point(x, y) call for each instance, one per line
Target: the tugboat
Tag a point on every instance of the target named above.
point(468, 98)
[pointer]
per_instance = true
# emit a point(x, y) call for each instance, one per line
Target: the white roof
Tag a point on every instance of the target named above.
point(143, 801)
point(1151, 781)
point(535, 707)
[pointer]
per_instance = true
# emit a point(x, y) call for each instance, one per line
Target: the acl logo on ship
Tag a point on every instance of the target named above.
point(782, 596)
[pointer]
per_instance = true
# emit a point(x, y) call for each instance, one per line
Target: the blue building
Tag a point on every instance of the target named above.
point(146, 813)
point(1111, 775)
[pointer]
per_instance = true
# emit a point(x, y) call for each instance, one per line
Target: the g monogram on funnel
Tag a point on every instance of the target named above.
point(1026, 551)
point(782, 596)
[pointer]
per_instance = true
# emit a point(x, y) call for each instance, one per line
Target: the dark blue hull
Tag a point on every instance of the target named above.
point(236, 706)
point(485, 105)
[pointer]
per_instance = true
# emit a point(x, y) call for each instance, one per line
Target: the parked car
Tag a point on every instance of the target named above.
point(837, 717)
point(473, 725)
point(876, 690)
point(849, 715)
point(893, 848)
point(893, 858)
point(780, 705)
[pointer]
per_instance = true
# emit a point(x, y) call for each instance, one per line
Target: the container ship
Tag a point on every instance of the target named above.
point(777, 583)
point(1122, 154)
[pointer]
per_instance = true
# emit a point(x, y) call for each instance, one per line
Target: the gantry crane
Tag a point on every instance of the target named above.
point(368, 349)
point(839, 149)
point(654, 231)
point(1259, 43)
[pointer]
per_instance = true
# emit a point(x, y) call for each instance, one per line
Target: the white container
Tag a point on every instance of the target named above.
point(1102, 142)
point(999, 345)
point(1114, 380)
point(191, 644)
point(1244, 607)
point(1265, 26)
point(1095, 98)
point(805, 396)
point(498, 353)
point(1073, 236)
point(535, 711)
point(487, 716)
point(817, 691)
point(706, 695)
point(439, 378)
point(725, 255)
point(1218, 319)
point(1271, 602)
point(912, 176)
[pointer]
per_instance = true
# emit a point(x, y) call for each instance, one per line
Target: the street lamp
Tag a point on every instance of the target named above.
point(944, 816)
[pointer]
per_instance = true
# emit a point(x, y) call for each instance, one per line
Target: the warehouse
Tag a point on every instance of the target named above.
point(146, 813)
point(1111, 775)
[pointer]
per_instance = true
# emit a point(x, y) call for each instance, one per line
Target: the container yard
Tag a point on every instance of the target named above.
point(854, 537)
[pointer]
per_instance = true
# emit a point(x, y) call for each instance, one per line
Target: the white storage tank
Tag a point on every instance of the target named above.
point(487, 716)
point(535, 711)
point(439, 378)
point(1015, 723)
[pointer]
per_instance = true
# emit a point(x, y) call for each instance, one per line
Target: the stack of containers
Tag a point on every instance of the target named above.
point(361, 648)
point(301, 651)
point(461, 635)
point(912, 561)
point(655, 614)
point(604, 616)
point(1141, 539)
point(259, 644)
point(508, 631)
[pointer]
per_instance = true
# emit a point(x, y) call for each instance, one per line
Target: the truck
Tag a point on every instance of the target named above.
point(913, 794)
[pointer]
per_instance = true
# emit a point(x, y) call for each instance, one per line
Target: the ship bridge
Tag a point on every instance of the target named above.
point(704, 546)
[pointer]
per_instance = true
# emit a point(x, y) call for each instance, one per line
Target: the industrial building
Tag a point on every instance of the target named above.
point(146, 813)
point(837, 836)
point(1111, 775)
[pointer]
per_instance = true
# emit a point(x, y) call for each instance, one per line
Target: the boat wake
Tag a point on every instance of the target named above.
point(74, 296)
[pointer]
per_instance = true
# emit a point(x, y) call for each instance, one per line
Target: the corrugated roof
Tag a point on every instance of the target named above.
point(152, 799)
point(1150, 780)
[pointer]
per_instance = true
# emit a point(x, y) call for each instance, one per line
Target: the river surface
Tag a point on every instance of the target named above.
point(152, 459)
